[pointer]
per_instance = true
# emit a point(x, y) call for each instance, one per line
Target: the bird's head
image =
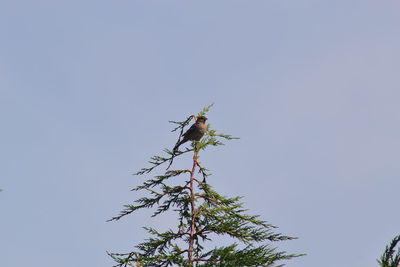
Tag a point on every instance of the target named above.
point(201, 119)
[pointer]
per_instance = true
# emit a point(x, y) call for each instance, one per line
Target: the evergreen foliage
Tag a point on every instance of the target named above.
point(202, 215)
point(389, 258)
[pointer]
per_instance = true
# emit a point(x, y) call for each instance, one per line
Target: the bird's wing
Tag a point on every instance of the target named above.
point(190, 131)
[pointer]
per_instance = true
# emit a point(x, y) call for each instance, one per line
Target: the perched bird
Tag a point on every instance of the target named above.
point(195, 132)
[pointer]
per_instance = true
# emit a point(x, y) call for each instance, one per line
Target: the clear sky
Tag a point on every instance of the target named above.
point(87, 89)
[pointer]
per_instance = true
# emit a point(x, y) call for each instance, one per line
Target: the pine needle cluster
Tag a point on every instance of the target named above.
point(390, 257)
point(202, 215)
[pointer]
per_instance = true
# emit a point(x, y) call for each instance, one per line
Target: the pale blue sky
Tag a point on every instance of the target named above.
point(87, 89)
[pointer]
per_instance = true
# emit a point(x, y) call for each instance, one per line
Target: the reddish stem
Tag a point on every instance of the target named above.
point(193, 211)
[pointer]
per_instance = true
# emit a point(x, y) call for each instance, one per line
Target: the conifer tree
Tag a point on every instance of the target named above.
point(389, 258)
point(202, 215)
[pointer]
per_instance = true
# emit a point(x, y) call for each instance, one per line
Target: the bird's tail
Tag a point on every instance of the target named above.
point(177, 146)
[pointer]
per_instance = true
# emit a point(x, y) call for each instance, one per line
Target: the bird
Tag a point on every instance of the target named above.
point(195, 132)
